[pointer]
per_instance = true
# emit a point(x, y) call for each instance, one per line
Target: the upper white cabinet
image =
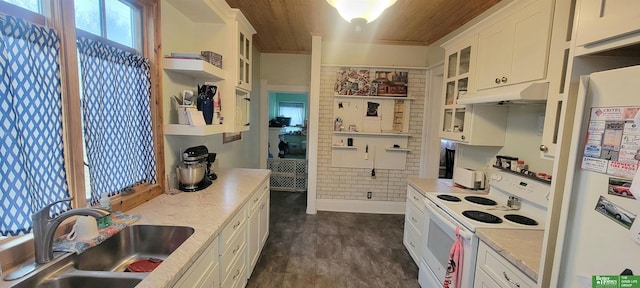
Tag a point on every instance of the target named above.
point(604, 24)
point(515, 49)
point(244, 34)
point(192, 26)
point(468, 124)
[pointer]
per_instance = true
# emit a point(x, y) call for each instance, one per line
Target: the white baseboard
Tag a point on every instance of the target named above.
point(361, 206)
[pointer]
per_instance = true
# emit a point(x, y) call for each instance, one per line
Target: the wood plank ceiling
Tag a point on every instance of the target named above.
point(286, 26)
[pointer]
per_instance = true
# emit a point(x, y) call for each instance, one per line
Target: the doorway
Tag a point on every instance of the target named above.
point(288, 125)
point(287, 140)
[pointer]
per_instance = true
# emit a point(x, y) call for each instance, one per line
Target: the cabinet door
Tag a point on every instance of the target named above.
point(253, 240)
point(264, 219)
point(531, 37)
point(515, 50)
point(600, 20)
point(244, 58)
point(494, 55)
point(460, 63)
point(500, 270)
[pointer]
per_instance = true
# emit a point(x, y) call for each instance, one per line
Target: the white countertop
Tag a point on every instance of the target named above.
point(426, 185)
point(207, 211)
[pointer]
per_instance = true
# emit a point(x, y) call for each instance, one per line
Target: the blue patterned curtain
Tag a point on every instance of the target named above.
point(32, 171)
point(117, 117)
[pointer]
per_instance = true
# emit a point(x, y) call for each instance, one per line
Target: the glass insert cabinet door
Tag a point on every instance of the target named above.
point(458, 72)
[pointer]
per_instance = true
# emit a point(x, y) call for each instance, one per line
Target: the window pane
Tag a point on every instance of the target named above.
point(88, 16)
point(119, 22)
point(32, 5)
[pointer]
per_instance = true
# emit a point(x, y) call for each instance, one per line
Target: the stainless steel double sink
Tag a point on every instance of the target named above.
point(105, 264)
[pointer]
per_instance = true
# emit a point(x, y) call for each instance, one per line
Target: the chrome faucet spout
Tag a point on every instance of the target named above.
point(44, 227)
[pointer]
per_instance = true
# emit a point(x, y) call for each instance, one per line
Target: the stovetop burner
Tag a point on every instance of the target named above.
point(449, 198)
point(482, 216)
point(480, 200)
point(521, 219)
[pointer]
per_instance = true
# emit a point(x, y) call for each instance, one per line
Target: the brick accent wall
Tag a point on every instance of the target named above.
point(354, 183)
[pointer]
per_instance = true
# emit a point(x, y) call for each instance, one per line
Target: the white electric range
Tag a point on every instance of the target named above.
point(447, 211)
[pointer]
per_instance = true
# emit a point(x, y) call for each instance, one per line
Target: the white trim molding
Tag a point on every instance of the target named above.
point(361, 206)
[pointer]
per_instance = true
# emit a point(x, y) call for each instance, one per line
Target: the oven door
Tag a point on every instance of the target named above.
point(438, 236)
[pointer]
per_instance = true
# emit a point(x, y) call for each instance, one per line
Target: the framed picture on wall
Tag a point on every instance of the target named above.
point(230, 137)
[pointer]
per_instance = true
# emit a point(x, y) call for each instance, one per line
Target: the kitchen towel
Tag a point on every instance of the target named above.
point(454, 269)
point(119, 222)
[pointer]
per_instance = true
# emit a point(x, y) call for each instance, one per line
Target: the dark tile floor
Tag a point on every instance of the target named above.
point(332, 249)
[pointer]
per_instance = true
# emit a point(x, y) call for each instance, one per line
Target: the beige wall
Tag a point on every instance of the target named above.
point(340, 53)
point(286, 69)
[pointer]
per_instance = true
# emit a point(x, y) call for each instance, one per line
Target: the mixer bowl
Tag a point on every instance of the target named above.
point(190, 175)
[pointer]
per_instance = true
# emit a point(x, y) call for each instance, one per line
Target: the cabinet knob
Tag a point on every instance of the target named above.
point(504, 79)
point(497, 80)
point(544, 148)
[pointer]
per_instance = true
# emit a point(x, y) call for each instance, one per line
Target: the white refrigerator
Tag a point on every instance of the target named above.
point(602, 232)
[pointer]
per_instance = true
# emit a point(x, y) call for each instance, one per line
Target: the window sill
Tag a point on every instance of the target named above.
point(142, 194)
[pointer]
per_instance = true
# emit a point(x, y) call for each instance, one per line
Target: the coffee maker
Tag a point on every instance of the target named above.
point(195, 172)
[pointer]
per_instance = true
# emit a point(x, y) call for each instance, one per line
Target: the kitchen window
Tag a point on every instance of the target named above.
point(119, 21)
point(59, 16)
point(293, 110)
point(31, 5)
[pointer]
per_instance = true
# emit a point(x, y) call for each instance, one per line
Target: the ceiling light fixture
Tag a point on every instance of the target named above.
point(361, 12)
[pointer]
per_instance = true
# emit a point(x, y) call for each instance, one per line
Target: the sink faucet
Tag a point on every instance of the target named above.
point(44, 227)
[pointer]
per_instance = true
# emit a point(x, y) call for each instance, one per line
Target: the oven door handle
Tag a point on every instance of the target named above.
point(444, 219)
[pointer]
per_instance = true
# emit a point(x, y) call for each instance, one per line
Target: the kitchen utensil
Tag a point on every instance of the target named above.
point(196, 164)
point(190, 175)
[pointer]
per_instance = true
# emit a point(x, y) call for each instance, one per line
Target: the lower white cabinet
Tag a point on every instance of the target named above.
point(414, 216)
point(230, 258)
point(493, 270)
point(258, 225)
point(205, 270)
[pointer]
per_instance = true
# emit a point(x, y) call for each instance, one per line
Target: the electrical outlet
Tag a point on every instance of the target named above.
point(373, 173)
point(369, 195)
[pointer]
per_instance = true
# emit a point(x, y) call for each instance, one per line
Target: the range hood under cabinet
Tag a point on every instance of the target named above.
point(520, 93)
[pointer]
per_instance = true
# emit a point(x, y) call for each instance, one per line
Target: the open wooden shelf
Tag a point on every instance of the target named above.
point(372, 133)
point(194, 67)
point(188, 130)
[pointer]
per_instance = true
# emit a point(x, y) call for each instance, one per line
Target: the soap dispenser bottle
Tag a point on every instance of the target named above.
point(106, 205)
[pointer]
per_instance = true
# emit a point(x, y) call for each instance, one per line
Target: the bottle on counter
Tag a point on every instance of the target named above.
point(105, 204)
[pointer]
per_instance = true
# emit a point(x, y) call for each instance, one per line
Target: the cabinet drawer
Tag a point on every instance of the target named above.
point(414, 217)
point(254, 202)
point(234, 248)
point(202, 269)
point(498, 268)
point(235, 277)
point(233, 227)
point(415, 197)
point(412, 242)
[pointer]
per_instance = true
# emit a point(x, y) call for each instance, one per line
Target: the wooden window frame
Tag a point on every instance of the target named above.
point(60, 16)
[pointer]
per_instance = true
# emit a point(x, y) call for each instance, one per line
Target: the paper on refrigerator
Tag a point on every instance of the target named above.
point(635, 185)
point(613, 139)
